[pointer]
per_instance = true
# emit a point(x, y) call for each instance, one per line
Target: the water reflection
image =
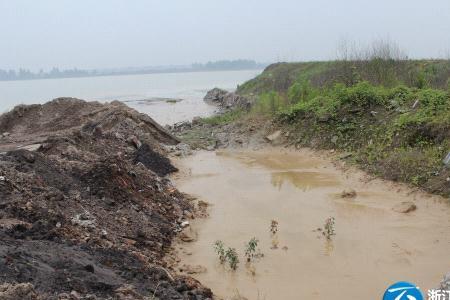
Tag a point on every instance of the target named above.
point(329, 247)
point(302, 180)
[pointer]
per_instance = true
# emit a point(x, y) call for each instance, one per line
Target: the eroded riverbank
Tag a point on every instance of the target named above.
point(374, 246)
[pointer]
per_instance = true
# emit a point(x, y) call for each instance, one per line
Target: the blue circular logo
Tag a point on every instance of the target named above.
point(403, 291)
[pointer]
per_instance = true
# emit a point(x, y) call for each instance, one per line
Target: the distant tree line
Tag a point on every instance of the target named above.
point(25, 74)
point(238, 64)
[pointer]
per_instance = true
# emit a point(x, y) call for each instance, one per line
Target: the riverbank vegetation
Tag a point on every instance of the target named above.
point(388, 114)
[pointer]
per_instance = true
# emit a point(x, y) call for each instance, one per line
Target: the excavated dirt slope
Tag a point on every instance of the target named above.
point(85, 210)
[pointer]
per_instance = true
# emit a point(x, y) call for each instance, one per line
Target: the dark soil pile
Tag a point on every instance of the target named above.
point(88, 215)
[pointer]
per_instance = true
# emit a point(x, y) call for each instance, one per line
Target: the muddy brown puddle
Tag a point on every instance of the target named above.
point(373, 246)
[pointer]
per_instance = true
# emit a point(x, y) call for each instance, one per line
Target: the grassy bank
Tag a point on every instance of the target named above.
point(391, 117)
point(378, 71)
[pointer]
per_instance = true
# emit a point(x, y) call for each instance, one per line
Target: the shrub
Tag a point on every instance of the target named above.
point(434, 107)
point(362, 94)
point(300, 91)
point(270, 103)
point(421, 81)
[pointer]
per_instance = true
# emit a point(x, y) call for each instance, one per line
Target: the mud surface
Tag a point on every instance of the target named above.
point(87, 213)
point(374, 246)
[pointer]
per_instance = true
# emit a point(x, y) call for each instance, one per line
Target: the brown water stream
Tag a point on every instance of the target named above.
point(374, 246)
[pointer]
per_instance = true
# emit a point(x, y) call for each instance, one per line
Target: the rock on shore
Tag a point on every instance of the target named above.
point(226, 100)
point(88, 214)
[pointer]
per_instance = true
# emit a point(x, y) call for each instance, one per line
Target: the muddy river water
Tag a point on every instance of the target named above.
point(374, 246)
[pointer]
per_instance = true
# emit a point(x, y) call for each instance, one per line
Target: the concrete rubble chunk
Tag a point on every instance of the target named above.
point(274, 136)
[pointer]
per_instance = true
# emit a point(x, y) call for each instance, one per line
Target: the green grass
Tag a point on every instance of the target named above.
point(224, 118)
point(393, 116)
point(389, 73)
point(395, 120)
point(399, 133)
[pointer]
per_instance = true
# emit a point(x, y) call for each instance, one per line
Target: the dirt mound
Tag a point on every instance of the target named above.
point(154, 161)
point(88, 214)
point(31, 124)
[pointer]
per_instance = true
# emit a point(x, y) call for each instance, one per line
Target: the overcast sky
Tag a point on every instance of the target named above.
point(111, 33)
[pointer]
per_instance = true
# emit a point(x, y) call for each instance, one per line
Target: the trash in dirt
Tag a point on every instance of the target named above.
point(32, 147)
point(2, 178)
point(447, 159)
point(83, 220)
point(184, 224)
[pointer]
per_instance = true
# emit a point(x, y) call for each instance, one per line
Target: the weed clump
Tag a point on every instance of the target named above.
point(224, 118)
point(273, 233)
point(219, 248)
point(328, 228)
point(232, 258)
point(273, 227)
point(251, 250)
point(230, 255)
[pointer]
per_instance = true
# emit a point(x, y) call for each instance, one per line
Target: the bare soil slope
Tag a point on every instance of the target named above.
point(88, 214)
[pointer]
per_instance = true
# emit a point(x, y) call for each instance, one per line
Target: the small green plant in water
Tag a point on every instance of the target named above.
point(220, 250)
point(273, 232)
point(329, 228)
point(274, 227)
point(251, 250)
point(232, 258)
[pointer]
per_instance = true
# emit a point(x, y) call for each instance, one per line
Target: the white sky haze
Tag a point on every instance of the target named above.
point(111, 33)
